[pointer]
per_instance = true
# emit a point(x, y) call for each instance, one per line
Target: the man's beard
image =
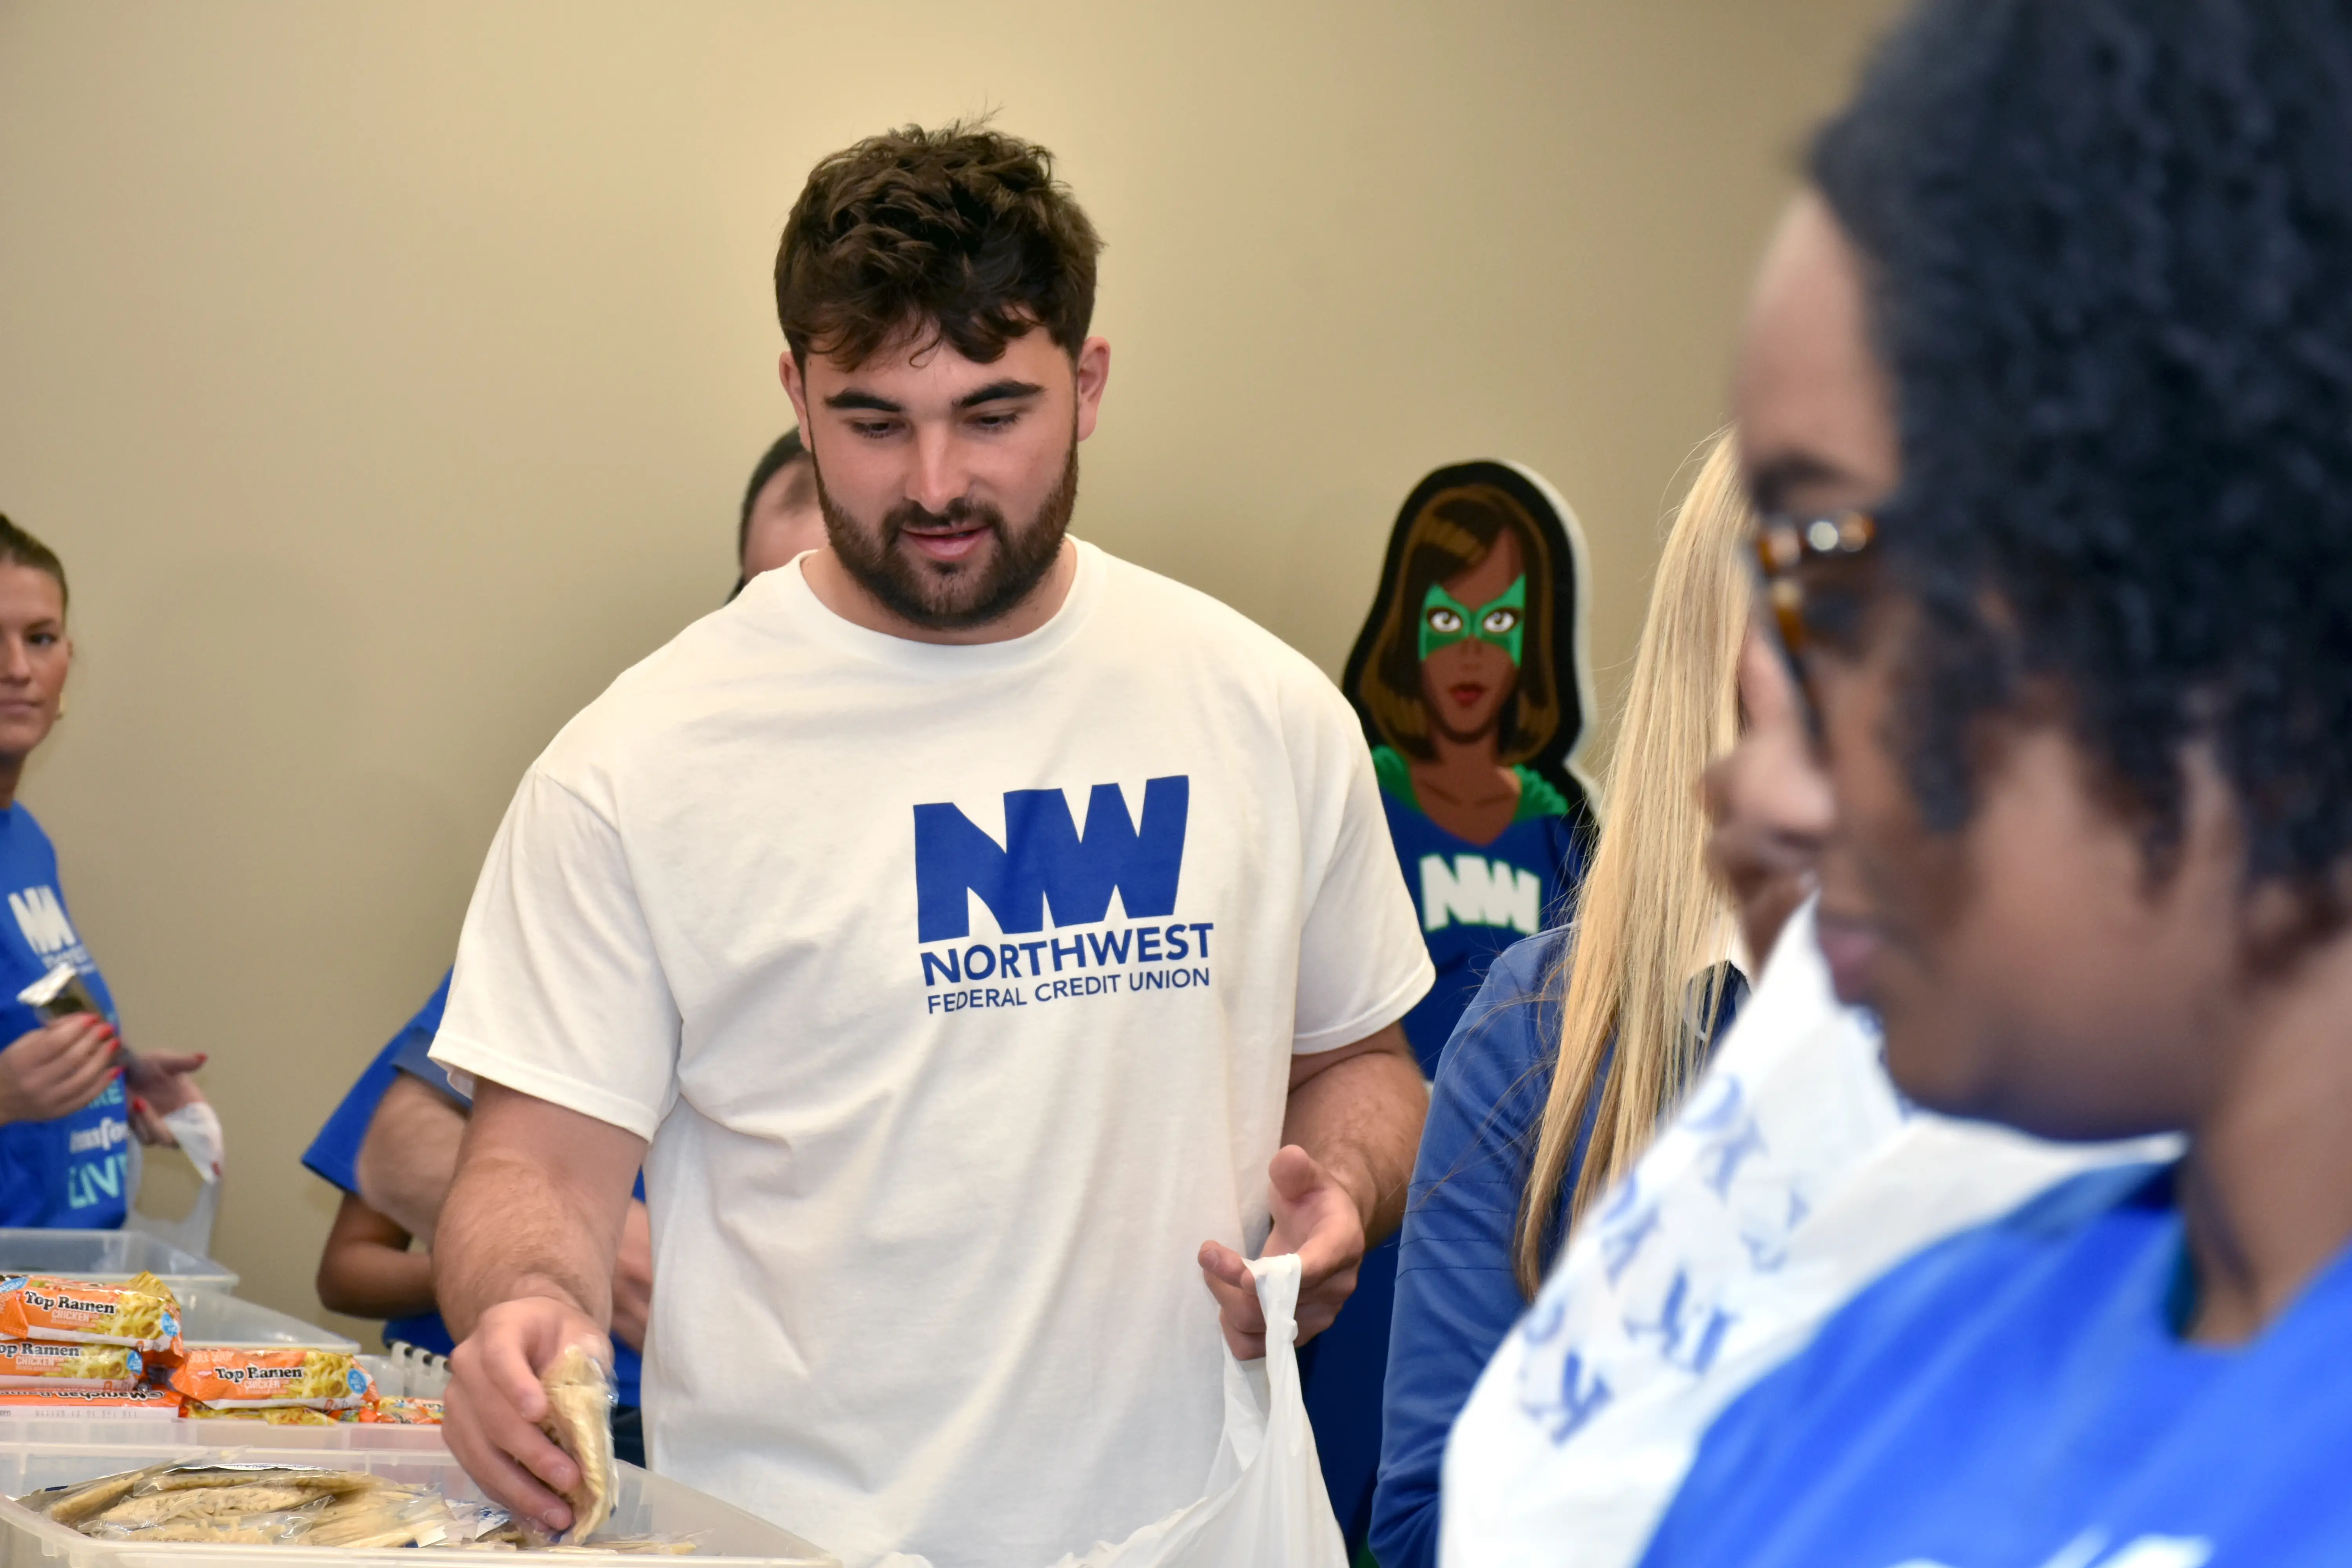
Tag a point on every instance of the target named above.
point(952, 596)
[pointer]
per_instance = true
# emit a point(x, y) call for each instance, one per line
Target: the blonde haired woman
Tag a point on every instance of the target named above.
point(1580, 1040)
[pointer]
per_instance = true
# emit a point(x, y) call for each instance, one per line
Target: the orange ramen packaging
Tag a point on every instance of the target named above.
point(277, 1416)
point(51, 1399)
point(398, 1412)
point(268, 1377)
point(140, 1316)
point(34, 1365)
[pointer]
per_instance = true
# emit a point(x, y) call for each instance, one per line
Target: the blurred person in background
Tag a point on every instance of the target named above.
point(1581, 1039)
point(780, 516)
point(2047, 401)
point(391, 1146)
point(72, 1095)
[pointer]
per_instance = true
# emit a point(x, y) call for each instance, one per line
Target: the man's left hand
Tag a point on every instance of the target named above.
point(1314, 1216)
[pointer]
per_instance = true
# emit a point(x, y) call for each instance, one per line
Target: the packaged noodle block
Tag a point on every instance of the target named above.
point(264, 1377)
point(51, 1397)
point(398, 1412)
point(35, 1364)
point(76, 1311)
point(275, 1416)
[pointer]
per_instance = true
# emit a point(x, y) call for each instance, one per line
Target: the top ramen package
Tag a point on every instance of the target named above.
point(249, 1377)
point(141, 1315)
point(33, 1364)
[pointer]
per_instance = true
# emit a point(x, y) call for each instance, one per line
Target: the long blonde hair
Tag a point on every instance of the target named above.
point(1648, 918)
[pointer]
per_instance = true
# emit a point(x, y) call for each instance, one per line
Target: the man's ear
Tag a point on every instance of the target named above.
point(788, 371)
point(1092, 371)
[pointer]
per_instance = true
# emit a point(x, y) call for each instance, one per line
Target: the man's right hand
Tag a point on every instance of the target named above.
point(494, 1404)
point(57, 1070)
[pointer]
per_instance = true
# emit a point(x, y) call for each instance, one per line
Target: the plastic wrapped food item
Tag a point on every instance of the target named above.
point(269, 1416)
point(59, 994)
point(262, 1377)
point(392, 1411)
point(229, 1503)
point(580, 1418)
point(49, 1397)
point(98, 1369)
point(140, 1316)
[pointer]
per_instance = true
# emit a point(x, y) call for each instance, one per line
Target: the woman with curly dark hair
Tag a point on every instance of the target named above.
point(2047, 405)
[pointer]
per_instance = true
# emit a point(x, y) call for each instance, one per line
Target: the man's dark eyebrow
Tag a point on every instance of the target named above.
point(1770, 484)
point(854, 398)
point(998, 392)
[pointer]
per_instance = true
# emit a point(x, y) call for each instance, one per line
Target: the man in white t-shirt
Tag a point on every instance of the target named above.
point(981, 941)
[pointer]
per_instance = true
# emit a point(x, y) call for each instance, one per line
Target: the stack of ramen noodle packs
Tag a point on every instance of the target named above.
point(75, 1344)
point(69, 1342)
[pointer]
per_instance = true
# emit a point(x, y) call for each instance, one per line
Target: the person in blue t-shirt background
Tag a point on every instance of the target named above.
point(71, 1094)
point(1469, 678)
point(391, 1147)
point(1581, 1040)
point(2046, 400)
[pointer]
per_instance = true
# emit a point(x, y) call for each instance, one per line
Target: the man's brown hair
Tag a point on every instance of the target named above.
point(963, 231)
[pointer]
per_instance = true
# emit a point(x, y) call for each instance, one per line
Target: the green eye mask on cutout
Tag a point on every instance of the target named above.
point(1508, 610)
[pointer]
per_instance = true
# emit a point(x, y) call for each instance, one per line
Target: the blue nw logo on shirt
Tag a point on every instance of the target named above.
point(1046, 860)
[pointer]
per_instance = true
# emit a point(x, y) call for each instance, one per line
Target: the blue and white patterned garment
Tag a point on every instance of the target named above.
point(1793, 1175)
point(2020, 1397)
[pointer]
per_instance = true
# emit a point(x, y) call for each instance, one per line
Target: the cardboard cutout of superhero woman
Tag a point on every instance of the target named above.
point(1475, 690)
point(1471, 682)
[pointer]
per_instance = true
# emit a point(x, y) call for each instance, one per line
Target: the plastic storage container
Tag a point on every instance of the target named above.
point(114, 1428)
point(724, 1536)
point(112, 1255)
point(226, 1321)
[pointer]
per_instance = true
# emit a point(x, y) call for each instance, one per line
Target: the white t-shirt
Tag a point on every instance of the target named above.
point(956, 988)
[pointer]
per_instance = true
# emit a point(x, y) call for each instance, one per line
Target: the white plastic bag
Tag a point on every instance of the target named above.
point(197, 1127)
point(1793, 1175)
point(1266, 1506)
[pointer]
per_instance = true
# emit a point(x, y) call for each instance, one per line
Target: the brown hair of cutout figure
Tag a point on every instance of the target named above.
point(1463, 717)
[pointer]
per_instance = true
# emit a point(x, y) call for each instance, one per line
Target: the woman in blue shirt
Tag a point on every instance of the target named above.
point(1554, 1080)
point(2047, 392)
point(70, 1093)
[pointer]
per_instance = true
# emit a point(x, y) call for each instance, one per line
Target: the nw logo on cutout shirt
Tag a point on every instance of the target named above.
point(1473, 891)
point(1049, 876)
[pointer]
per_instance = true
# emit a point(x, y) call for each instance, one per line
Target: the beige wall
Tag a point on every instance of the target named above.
point(386, 375)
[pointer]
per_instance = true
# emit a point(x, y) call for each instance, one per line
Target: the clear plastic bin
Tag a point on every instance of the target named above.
point(226, 1321)
point(407, 1373)
point(725, 1536)
point(112, 1255)
point(114, 1428)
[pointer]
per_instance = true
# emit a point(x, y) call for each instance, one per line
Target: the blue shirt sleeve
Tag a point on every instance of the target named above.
point(1456, 1295)
point(415, 1045)
point(334, 1154)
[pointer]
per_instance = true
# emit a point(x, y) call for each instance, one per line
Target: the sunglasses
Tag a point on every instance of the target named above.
point(1785, 544)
